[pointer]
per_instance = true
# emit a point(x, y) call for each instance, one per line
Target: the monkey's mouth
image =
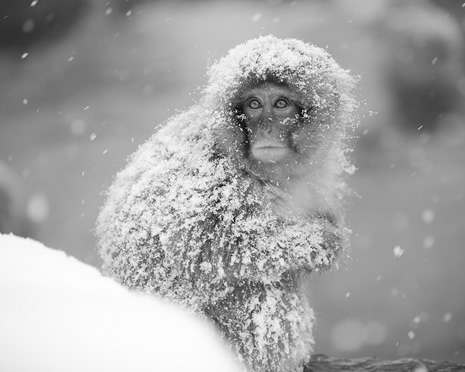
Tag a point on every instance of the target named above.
point(270, 153)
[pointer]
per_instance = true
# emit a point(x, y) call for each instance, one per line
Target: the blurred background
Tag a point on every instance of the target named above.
point(84, 82)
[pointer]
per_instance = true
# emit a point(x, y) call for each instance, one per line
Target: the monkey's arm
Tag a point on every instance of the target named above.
point(300, 248)
point(258, 245)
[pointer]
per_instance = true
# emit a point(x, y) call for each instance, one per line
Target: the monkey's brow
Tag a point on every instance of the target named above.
point(241, 103)
point(299, 104)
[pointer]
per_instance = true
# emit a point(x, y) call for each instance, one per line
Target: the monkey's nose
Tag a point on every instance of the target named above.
point(268, 126)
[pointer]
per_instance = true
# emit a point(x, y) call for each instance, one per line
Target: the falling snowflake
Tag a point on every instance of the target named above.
point(256, 17)
point(398, 251)
point(38, 208)
point(428, 242)
point(447, 317)
point(427, 216)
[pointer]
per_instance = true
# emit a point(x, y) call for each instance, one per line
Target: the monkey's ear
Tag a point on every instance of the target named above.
point(238, 113)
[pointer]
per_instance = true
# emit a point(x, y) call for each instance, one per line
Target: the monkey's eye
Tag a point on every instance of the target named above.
point(281, 103)
point(254, 103)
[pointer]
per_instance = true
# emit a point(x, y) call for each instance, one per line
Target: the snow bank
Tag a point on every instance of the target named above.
point(58, 314)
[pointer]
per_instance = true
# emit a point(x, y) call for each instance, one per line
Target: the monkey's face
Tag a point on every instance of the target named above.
point(268, 114)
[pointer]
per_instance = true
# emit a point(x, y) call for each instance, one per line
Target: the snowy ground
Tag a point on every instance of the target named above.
point(59, 314)
point(71, 114)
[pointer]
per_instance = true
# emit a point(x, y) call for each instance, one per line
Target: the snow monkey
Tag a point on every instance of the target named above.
point(230, 205)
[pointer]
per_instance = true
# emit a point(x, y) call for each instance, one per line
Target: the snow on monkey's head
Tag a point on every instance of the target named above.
point(312, 78)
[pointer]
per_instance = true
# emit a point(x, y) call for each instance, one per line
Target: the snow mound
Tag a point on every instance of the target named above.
point(306, 67)
point(58, 314)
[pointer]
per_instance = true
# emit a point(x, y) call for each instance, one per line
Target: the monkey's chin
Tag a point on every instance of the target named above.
point(270, 154)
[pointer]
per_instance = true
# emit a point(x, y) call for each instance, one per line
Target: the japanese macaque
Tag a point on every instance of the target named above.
point(230, 205)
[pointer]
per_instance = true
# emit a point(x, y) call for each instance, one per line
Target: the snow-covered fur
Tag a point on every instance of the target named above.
point(190, 219)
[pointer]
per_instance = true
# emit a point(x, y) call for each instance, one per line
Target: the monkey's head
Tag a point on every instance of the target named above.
point(283, 106)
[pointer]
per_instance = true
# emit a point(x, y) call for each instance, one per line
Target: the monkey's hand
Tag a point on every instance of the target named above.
point(264, 248)
point(300, 247)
